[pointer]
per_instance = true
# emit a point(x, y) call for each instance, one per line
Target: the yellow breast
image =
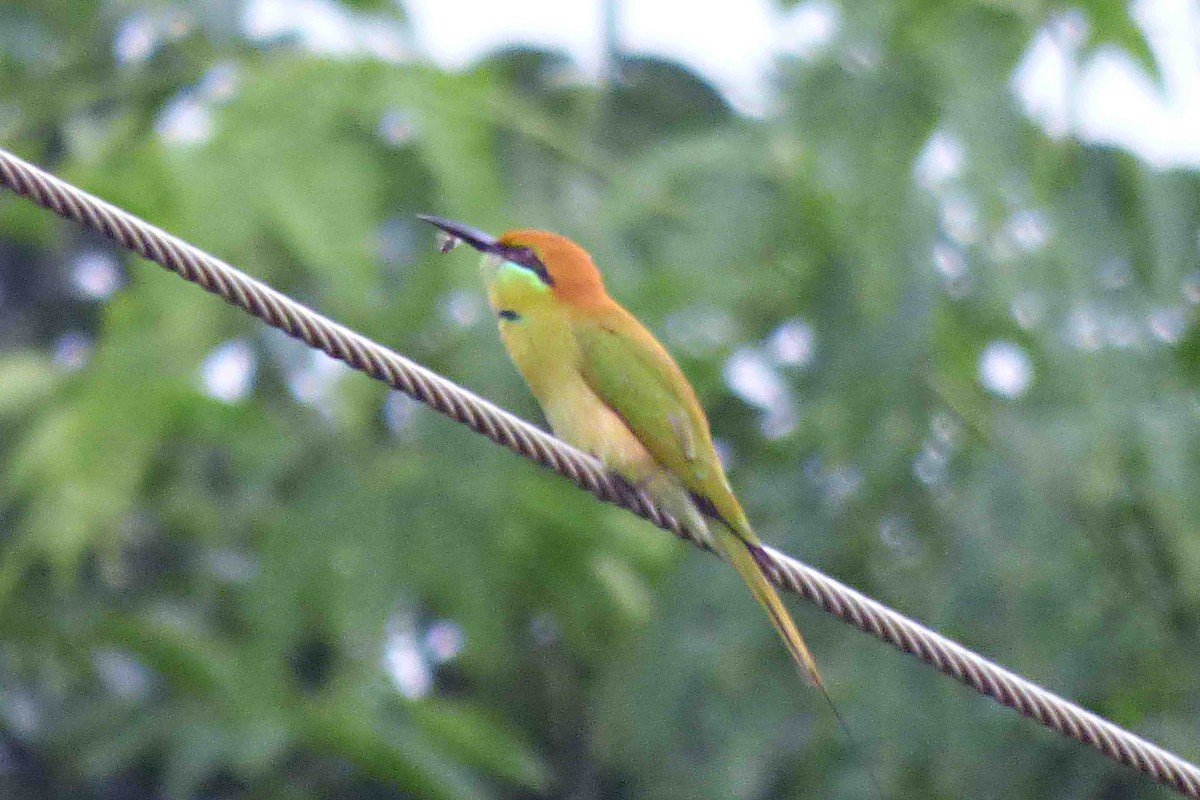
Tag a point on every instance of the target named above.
point(544, 349)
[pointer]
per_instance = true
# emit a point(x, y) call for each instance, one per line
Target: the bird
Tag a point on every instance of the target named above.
point(607, 386)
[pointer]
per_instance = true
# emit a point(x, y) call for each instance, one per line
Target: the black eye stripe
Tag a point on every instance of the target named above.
point(509, 315)
point(524, 257)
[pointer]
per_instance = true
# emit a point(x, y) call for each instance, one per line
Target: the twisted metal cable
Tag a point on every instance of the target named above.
point(519, 436)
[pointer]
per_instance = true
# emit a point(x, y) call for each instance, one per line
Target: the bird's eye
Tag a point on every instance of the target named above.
point(524, 257)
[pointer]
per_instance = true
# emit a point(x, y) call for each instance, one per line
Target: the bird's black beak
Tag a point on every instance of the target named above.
point(484, 243)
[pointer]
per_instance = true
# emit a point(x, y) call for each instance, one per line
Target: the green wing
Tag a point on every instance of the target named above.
point(635, 376)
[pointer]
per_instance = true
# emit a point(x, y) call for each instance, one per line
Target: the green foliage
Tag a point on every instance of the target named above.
point(243, 599)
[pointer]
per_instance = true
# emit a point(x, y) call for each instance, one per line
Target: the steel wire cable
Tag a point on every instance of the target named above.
point(505, 429)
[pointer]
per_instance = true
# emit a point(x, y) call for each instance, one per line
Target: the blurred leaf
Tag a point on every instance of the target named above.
point(28, 379)
point(403, 761)
point(480, 742)
point(1112, 24)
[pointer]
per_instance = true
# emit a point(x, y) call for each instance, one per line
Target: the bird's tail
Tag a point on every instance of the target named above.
point(748, 560)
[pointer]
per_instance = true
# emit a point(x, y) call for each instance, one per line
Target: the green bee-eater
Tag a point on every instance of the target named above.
point(608, 387)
